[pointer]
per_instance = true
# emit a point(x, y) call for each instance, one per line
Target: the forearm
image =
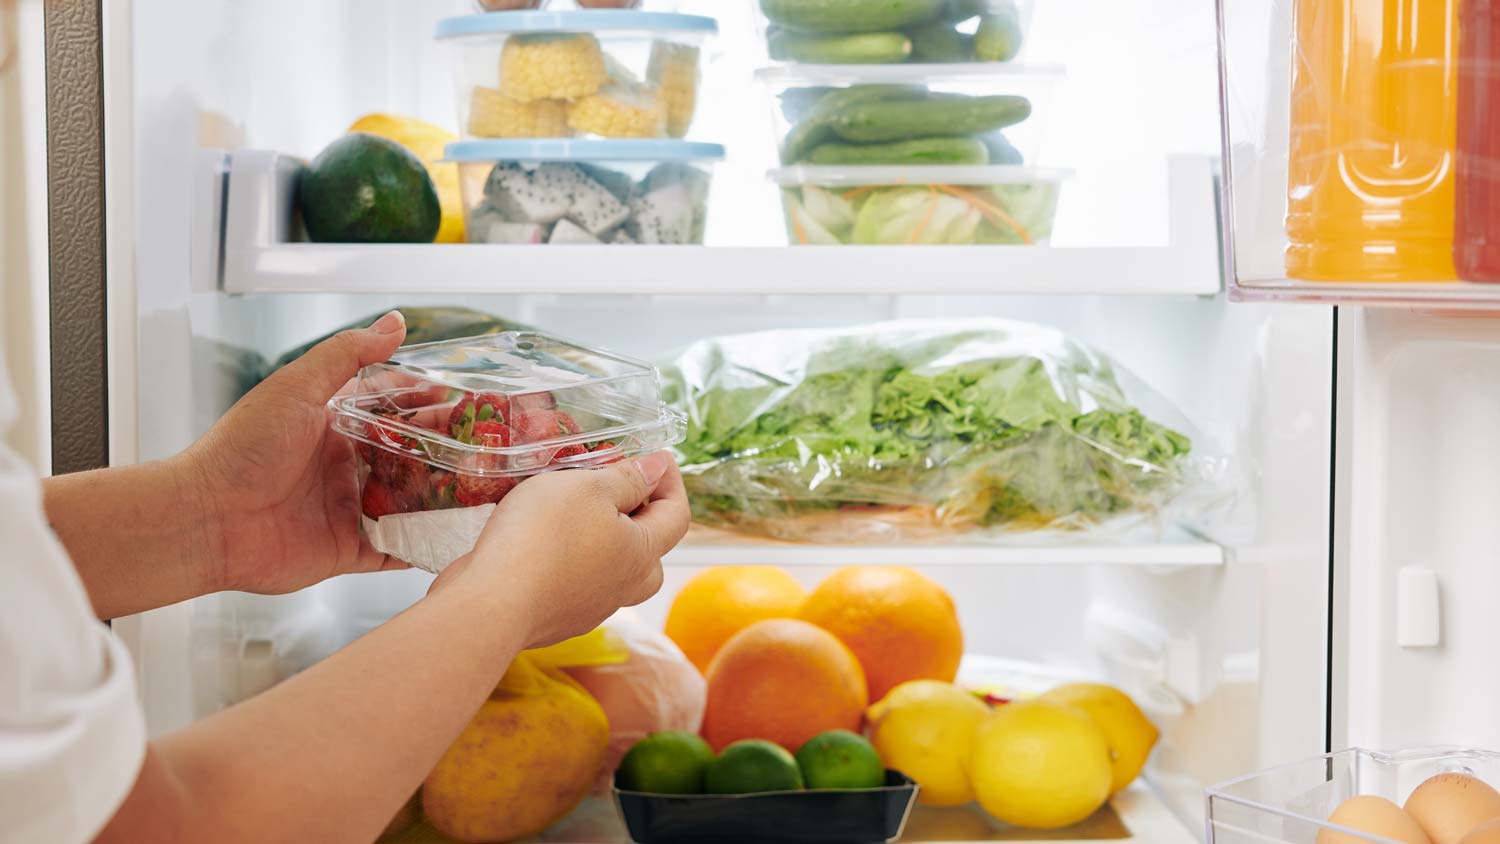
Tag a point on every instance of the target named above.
point(140, 536)
point(330, 754)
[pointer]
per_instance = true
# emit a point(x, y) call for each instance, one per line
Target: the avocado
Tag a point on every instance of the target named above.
point(847, 16)
point(366, 189)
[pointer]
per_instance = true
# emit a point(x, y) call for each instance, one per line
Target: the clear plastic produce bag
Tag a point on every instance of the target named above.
point(917, 431)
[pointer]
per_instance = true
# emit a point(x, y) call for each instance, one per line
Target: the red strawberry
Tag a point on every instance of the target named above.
point(528, 402)
point(471, 491)
point(539, 425)
point(490, 434)
point(440, 494)
point(608, 446)
point(378, 499)
point(569, 451)
point(474, 408)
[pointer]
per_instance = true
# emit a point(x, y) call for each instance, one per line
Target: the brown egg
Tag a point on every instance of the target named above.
point(1448, 805)
point(1486, 833)
point(1374, 815)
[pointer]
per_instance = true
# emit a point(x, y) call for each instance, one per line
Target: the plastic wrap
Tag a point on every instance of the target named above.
point(915, 431)
point(654, 688)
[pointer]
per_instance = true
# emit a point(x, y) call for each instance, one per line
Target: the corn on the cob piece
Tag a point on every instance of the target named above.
point(674, 70)
point(619, 111)
point(494, 115)
point(551, 67)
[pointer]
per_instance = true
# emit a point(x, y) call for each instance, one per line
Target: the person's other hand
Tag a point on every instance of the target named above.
point(567, 549)
point(280, 484)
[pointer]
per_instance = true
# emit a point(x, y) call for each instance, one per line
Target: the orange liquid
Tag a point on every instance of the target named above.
point(1373, 136)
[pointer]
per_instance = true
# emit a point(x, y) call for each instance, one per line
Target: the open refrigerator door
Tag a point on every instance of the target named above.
point(1085, 245)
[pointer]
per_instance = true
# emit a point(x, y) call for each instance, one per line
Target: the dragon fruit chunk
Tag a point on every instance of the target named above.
point(568, 232)
point(520, 197)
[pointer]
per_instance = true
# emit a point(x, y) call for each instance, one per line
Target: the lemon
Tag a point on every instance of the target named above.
point(1130, 735)
point(427, 142)
point(1040, 764)
point(925, 729)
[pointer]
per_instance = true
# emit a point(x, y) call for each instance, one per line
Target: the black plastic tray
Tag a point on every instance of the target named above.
point(864, 816)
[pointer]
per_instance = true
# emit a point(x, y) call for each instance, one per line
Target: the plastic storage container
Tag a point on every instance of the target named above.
point(592, 72)
point(585, 192)
point(882, 32)
point(522, 5)
point(1290, 803)
point(932, 205)
point(903, 115)
point(446, 429)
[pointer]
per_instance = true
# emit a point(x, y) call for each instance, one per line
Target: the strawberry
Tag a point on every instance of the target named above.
point(378, 499)
point(607, 446)
point(490, 434)
point(569, 451)
point(474, 408)
point(528, 402)
point(539, 425)
point(471, 491)
point(440, 494)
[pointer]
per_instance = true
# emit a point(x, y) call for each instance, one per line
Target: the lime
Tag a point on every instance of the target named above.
point(752, 765)
point(840, 759)
point(669, 762)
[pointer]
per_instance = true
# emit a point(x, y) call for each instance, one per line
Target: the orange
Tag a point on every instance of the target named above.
point(720, 602)
point(899, 623)
point(785, 681)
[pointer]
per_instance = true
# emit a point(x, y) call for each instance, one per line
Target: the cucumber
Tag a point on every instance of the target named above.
point(914, 152)
point(848, 16)
point(899, 120)
point(1002, 151)
point(938, 41)
point(999, 36)
point(859, 48)
point(813, 128)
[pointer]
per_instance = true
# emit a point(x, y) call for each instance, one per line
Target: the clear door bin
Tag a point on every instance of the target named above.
point(1291, 804)
point(590, 72)
point(445, 430)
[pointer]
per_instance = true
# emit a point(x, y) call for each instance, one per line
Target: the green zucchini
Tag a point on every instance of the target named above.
point(849, 16)
point(898, 120)
point(938, 41)
point(859, 48)
point(918, 151)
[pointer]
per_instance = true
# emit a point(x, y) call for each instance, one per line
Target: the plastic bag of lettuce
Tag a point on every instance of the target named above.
point(923, 430)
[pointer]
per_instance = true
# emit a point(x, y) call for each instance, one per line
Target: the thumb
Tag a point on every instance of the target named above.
point(326, 367)
point(631, 483)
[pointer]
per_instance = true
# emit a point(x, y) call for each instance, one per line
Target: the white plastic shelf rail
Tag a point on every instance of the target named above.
point(243, 245)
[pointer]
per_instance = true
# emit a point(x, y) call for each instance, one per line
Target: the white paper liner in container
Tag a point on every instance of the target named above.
point(428, 541)
point(931, 431)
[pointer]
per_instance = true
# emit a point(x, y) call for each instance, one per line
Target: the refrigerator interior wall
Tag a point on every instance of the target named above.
point(1418, 591)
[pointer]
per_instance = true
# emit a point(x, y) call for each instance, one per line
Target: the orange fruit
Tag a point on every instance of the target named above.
point(785, 681)
point(720, 602)
point(899, 623)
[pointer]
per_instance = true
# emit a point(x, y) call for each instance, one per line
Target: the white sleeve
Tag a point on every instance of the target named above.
point(72, 735)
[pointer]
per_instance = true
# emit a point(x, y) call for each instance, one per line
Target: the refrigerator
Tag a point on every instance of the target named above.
point(1348, 603)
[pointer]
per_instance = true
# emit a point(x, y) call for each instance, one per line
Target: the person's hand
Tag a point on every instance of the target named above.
point(280, 484)
point(569, 548)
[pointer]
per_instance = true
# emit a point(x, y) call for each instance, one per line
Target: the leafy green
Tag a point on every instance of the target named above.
point(1001, 426)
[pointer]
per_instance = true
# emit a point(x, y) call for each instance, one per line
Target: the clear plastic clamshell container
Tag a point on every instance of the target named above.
point(931, 205)
point(894, 31)
point(905, 115)
point(1291, 804)
point(585, 192)
point(591, 72)
point(445, 429)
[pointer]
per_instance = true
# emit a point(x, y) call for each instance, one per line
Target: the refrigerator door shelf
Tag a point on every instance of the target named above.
point(1175, 551)
point(264, 253)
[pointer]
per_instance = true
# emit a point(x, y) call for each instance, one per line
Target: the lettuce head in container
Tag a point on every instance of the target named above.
point(917, 431)
point(445, 430)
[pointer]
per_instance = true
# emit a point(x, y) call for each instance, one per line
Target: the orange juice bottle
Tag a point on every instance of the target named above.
point(1373, 134)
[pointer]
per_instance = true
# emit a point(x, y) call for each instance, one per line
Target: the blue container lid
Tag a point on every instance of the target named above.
point(566, 149)
point(583, 20)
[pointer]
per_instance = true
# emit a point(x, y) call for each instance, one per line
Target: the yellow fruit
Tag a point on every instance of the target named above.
point(673, 69)
point(925, 729)
point(526, 759)
point(551, 67)
point(720, 602)
point(1130, 735)
point(426, 141)
point(494, 115)
point(899, 622)
point(619, 112)
point(1040, 764)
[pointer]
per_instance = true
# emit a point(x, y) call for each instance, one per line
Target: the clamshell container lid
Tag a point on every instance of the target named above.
point(583, 20)
point(554, 396)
